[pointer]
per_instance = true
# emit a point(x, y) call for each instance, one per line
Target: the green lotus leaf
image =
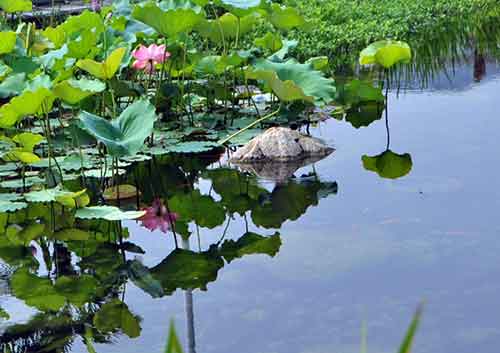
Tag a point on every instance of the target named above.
point(103, 70)
point(291, 81)
point(70, 199)
point(167, 23)
point(250, 243)
point(109, 213)
point(46, 195)
point(78, 290)
point(7, 42)
point(36, 291)
point(19, 183)
point(23, 236)
point(319, 63)
point(12, 6)
point(28, 140)
point(4, 71)
point(187, 270)
point(228, 25)
point(19, 155)
point(388, 164)
point(386, 53)
point(115, 315)
point(285, 18)
point(28, 103)
point(73, 91)
point(124, 135)
point(11, 206)
point(84, 46)
point(270, 41)
point(74, 25)
point(13, 85)
point(71, 234)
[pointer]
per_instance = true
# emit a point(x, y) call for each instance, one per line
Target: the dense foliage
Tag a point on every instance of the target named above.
point(340, 28)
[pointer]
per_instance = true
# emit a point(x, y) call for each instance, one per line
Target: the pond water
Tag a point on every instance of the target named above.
point(352, 248)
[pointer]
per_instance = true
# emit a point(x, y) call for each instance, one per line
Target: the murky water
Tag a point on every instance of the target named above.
point(353, 247)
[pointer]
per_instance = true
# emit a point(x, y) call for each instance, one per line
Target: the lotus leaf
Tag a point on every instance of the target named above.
point(125, 135)
point(386, 53)
point(388, 164)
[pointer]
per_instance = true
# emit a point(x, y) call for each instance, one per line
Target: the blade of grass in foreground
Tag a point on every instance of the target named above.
point(173, 344)
point(410, 334)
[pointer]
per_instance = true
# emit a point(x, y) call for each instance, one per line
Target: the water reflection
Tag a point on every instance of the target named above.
point(75, 273)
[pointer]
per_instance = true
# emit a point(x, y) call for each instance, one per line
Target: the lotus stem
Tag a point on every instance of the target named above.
point(270, 115)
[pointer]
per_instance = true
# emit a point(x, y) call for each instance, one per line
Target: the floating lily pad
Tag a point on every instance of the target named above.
point(109, 213)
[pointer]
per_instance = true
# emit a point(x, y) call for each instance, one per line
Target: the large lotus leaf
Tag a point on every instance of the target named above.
point(103, 70)
point(196, 5)
point(285, 18)
point(7, 42)
point(71, 234)
point(114, 316)
point(13, 85)
point(292, 81)
point(66, 198)
point(4, 71)
point(240, 7)
point(11, 206)
point(270, 41)
point(12, 6)
point(73, 91)
point(84, 46)
point(250, 243)
point(28, 103)
point(23, 236)
point(74, 25)
point(125, 135)
point(386, 53)
point(36, 291)
point(19, 155)
point(109, 213)
point(362, 115)
point(187, 270)
point(168, 23)
point(28, 140)
point(203, 209)
point(228, 25)
point(78, 290)
point(70, 199)
point(319, 63)
point(388, 164)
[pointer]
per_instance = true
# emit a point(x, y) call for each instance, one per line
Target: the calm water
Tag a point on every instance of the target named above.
point(368, 253)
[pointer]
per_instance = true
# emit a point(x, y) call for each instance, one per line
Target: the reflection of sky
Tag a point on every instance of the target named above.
point(371, 253)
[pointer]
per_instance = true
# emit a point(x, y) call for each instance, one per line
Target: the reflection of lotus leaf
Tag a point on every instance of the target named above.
point(250, 243)
point(289, 202)
point(389, 164)
point(187, 270)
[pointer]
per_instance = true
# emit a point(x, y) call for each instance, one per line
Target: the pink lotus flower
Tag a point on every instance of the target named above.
point(157, 216)
point(148, 57)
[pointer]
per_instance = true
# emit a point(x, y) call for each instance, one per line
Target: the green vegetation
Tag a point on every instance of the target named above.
point(339, 29)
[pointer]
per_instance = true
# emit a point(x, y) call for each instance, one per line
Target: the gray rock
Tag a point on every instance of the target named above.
point(278, 153)
point(280, 144)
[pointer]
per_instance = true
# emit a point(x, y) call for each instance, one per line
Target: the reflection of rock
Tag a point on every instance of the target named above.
point(278, 171)
point(281, 144)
